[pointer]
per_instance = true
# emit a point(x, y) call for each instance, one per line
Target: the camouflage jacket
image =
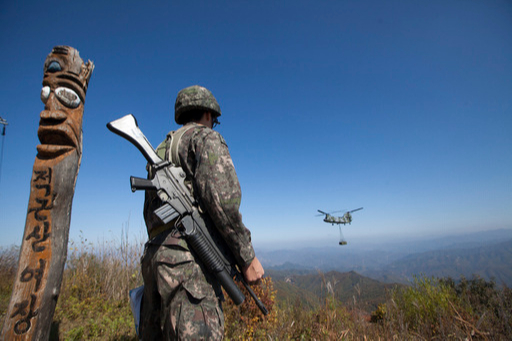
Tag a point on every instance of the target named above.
point(205, 158)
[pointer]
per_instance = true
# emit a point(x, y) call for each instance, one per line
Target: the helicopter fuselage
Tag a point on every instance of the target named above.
point(345, 219)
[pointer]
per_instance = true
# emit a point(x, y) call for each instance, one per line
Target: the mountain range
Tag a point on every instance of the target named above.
point(486, 254)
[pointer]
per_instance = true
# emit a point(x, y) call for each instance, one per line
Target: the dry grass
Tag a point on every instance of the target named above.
point(94, 305)
point(8, 266)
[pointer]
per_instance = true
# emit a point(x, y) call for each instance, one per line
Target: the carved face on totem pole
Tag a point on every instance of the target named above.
point(44, 244)
point(64, 87)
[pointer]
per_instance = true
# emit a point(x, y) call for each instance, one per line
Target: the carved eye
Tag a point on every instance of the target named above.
point(68, 97)
point(45, 93)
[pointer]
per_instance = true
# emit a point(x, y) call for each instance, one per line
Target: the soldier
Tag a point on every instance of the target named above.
point(181, 299)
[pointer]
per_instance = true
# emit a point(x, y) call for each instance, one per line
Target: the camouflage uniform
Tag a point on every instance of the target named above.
point(181, 299)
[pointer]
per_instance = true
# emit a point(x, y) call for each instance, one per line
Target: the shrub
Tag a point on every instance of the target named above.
point(246, 321)
point(424, 308)
point(485, 308)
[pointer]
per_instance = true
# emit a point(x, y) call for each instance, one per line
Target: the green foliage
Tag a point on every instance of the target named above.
point(378, 315)
point(442, 309)
point(423, 306)
point(484, 306)
point(94, 318)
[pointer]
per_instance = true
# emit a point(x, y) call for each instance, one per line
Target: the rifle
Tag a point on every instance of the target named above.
point(179, 204)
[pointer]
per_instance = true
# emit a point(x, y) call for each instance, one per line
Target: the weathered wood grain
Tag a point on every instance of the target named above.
point(44, 244)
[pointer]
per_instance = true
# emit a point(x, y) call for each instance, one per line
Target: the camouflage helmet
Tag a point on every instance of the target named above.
point(192, 98)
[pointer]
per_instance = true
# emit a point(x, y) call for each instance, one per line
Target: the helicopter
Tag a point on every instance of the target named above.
point(343, 220)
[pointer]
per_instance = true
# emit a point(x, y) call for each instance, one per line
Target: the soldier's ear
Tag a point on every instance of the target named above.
point(207, 119)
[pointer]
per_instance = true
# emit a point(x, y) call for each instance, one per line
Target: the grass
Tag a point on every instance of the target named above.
point(8, 266)
point(94, 305)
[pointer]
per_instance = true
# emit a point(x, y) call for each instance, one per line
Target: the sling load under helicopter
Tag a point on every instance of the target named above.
point(343, 220)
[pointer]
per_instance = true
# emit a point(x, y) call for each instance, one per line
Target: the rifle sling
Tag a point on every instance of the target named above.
point(159, 229)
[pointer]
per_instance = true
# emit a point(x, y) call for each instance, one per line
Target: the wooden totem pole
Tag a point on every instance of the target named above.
point(44, 246)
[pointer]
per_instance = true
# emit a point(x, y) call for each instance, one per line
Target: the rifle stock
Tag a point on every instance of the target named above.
point(179, 204)
point(127, 128)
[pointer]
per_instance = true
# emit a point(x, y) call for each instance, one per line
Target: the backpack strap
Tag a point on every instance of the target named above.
point(168, 149)
point(162, 148)
point(174, 142)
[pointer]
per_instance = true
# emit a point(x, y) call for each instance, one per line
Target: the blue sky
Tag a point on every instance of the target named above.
point(401, 107)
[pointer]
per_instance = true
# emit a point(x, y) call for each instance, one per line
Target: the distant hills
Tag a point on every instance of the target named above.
point(486, 254)
point(492, 261)
point(362, 277)
point(311, 289)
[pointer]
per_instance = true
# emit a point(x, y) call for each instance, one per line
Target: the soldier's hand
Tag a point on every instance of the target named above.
point(253, 272)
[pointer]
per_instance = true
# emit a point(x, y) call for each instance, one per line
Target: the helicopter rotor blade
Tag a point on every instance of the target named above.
point(357, 209)
point(322, 212)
